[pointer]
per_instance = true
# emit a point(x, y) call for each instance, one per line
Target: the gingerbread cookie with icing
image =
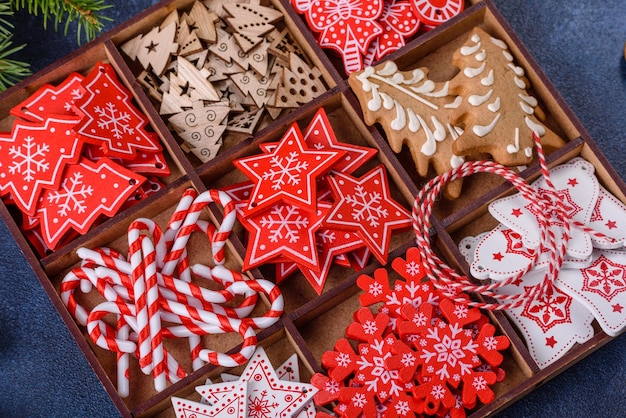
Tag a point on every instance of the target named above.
point(413, 111)
point(498, 114)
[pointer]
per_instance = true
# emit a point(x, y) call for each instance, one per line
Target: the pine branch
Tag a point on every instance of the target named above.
point(11, 71)
point(87, 14)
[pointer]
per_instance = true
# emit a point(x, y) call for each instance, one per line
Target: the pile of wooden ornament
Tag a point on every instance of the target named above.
point(77, 152)
point(221, 68)
point(304, 210)
point(417, 353)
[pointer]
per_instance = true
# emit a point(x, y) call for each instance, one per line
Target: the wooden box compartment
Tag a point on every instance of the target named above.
point(476, 219)
point(154, 19)
point(348, 129)
point(334, 60)
point(84, 63)
point(304, 327)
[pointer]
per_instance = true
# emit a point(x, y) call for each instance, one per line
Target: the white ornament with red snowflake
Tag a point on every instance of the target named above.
point(591, 280)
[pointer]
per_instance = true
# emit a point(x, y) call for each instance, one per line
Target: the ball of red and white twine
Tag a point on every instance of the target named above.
point(153, 286)
point(452, 283)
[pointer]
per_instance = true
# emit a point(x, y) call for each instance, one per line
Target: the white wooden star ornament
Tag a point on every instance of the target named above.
point(268, 396)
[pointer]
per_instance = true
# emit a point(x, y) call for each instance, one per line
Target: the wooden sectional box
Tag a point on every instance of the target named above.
point(311, 322)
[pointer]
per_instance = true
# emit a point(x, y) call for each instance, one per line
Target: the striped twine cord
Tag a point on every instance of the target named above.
point(447, 279)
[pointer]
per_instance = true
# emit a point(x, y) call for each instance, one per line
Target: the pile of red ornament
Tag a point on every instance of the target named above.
point(303, 210)
point(419, 353)
point(76, 152)
point(364, 32)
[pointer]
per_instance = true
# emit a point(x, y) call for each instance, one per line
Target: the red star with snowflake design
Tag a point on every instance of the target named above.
point(33, 157)
point(283, 232)
point(365, 205)
point(109, 118)
point(288, 173)
point(87, 191)
point(319, 135)
point(330, 244)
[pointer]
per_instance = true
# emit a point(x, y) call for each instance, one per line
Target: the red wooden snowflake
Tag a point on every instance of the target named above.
point(421, 353)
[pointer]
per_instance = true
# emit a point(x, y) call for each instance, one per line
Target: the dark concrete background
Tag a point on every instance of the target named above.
point(579, 44)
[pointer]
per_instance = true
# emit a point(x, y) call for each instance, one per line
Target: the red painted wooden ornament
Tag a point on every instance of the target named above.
point(288, 173)
point(51, 100)
point(365, 205)
point(435, 12)
point(87, 191)
point(109, 118)
point(33, 157)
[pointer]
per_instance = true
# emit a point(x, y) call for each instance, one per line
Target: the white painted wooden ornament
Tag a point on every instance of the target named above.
point(232, 405)
point(268, 395)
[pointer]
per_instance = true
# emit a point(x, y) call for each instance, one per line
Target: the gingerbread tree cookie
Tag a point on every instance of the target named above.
point(413, 110)
point(498, 113)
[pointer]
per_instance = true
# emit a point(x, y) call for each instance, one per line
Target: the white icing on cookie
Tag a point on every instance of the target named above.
point(519, 71)
point(537, 128)
point(454, 104)
point(389, 69)
point(514, 147)
point(529, 99)
point(499, 43)
point(473, 72)
point(414, 123)
point(400, 120)
point(482, 130)
point(526, 109)
point(471, 49)
point(477, 100)
point(488, 81)
point(495, 106)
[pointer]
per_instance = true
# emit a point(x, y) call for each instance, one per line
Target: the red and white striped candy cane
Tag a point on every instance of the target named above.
point(123, 360)
point(143, 255)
